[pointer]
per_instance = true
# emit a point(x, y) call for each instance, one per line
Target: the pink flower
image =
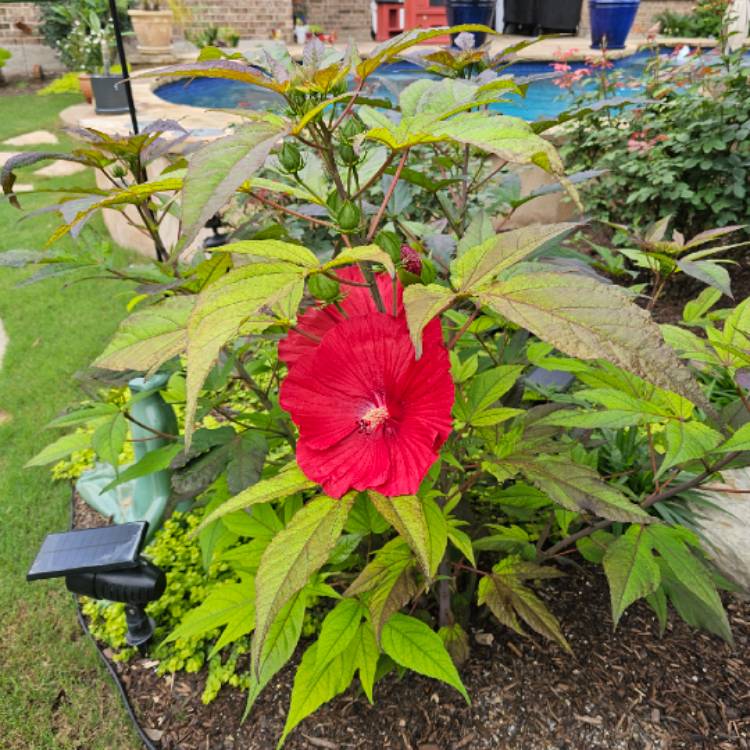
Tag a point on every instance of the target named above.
point(411, 260)
point(370, 416)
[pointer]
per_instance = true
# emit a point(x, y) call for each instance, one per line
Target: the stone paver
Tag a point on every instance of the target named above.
point(60, 168)
point(34, 138)
point(5, 155)
point(24, 187)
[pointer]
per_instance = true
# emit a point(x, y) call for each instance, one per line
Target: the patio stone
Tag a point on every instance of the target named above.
point(34, 138)
point(60, 168)
point(24, 187)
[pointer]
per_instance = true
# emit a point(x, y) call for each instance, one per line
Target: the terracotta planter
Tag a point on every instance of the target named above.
point(84, 83)
point(153, 30)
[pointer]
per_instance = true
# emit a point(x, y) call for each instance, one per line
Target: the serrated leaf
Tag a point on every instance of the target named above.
point(484, 391)
point(246, 454)
point(229, 605)
point(109, 438)
point(590, 320)
point(461, 541)
point(279, 646)
point(338, 629)
point(689, 579)
point(421, 524)
point(148, 338)
point(364, 519)
point(687, 441)
point(480, 227)
point(360, 254)
point(292, 557)
point(594, 546)
point(740, 441)
point(240, 300)
point(62, 447)
point(366, 656)
point(90, 414)
point(153, 461)
point(219, 168)
point(272, 250)
point(576, 487)
point(315, 685)
point(480, 264)
point(422, 304)
point(414, 645)
point(288, 481)
point(632, 571)
point(387, 582)
point(506, 596)
point(713, 274)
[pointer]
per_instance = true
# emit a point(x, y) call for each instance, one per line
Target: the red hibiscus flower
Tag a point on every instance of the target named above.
point(317, 321)
point(370, 416)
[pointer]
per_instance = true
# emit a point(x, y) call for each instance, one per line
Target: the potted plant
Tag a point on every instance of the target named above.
point(460, 12)
point(152, 24)
point(611, 21)
point(109, 97)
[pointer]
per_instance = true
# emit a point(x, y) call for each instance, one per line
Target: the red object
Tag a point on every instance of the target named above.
point(370, 415)
point(411, 260)
point(427, 14)
point(390, 21)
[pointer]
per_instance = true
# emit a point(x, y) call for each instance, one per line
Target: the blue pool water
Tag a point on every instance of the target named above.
point(543, 99)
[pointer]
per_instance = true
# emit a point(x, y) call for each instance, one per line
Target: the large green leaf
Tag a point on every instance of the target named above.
point(505, 594)
point(688, 441)
point(590, 320)
point(316, 684)
point(575, 487)
point(338, 629)
point(371, 253)
point(740, 441)
point(631, 569)
point(272, 250)
point(292, 557)
point(477, 266)
point(689, 579)
point(229, 605)
point(421, 524)
point(148, 338)
point(414, 645)
point(387, 582)
point(366, 656)
point(288, 481)
point(220, 167)
point(485, 390)
point(239, 301)
point(62, 447)
point(422, 304)
point(109, 438)
point(280, 643)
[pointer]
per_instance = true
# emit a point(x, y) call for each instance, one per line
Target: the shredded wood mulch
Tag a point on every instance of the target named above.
point(622, 690)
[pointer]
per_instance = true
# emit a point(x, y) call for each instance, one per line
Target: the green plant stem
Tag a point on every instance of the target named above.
point(388, 193)
point(462, 330)
point(157, 433)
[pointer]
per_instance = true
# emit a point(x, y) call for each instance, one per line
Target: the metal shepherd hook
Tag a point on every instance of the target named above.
point(123, 64)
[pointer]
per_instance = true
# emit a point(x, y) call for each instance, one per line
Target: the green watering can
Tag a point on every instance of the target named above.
point(144, 498)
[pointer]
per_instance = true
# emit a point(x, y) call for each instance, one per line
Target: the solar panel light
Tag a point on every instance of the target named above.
point(105, 563)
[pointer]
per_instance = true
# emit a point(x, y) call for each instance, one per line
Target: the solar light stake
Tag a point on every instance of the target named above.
point(105, 563)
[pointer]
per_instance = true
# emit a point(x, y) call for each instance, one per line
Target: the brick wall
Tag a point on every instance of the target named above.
point(256, 19)
point(27, 15)
point(350, 19)
point(647, 13)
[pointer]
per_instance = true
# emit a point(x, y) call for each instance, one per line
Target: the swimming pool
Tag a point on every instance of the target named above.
point(543, 99)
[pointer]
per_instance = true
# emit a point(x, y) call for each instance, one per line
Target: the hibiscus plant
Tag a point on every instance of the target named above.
point(396, 403)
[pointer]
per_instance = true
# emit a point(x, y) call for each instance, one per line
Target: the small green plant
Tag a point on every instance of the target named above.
point(67, 83)
point(663, 255)
point(215, 36)
point(705, 20)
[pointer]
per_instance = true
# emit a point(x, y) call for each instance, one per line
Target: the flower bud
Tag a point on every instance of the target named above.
point(347, 154)
point(323, 287)
point(290, 157)
point(348, 217)
point(411, 260)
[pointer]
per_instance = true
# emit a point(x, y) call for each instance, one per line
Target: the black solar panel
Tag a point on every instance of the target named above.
point(89, 550)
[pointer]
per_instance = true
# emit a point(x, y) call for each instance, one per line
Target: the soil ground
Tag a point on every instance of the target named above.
point(624, 690)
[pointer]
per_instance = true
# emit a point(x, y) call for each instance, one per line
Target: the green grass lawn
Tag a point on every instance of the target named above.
point(53, 691)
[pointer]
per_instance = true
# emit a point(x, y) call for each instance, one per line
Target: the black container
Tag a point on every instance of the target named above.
point(471, 11)
point(520, 16)
point(558, 15)
point(109, 99)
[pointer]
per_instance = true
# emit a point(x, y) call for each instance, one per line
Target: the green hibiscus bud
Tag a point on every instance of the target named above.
point(290, 158)
point(348, 217)
point(352, 128)
point(347, 154)
point(323, 287)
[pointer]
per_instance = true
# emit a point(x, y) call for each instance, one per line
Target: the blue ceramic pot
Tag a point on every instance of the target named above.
point(611, 21)
point(460, 12)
